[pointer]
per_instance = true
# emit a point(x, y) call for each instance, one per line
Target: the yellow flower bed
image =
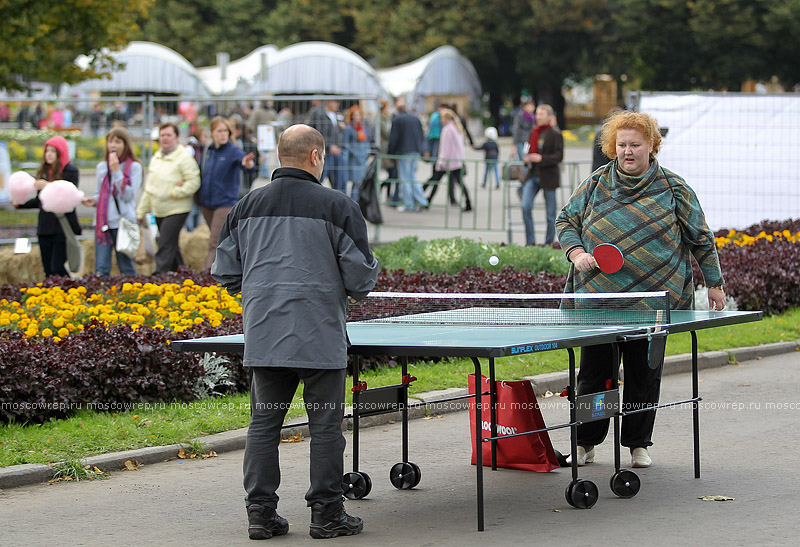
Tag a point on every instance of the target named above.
point(742, 239)
point(54, 312)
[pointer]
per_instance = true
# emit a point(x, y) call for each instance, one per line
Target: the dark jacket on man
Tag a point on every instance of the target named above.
point(318, 119)
point(296, 250)
point(406, 135)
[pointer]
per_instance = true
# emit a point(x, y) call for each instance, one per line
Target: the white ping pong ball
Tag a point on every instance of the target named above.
point(493, 260)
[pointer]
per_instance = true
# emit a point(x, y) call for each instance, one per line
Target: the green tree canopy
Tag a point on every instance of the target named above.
point(42, 39)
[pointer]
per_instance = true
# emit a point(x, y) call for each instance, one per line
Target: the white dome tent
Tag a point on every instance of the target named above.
point(149, 68)
point(239, 74)
point(317, 68)
point(442, 73)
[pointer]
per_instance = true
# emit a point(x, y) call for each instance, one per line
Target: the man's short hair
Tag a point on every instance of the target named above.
point(295, 146)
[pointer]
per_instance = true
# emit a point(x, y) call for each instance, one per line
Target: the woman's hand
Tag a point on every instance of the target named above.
point(248, 161)
point(582, 260)
point(89, 202)
point(716, 299)
point(113, 161)
point(40, 183)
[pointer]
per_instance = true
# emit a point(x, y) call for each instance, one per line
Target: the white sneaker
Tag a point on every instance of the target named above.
point(640, 457)
point(583, 455)
point(400, 208)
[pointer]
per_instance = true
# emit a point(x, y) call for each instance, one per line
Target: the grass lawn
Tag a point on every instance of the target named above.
point(88, 433)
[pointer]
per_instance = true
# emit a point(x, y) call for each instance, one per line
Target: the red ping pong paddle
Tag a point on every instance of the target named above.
point(608, 257)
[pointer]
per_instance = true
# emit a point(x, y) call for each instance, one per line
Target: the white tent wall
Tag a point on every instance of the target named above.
point(149, 68)
point(239, 74)
point(317, 67)
point(443, 72)
point(739, 152)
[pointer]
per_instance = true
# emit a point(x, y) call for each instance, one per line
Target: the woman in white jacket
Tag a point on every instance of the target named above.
point(118, 179)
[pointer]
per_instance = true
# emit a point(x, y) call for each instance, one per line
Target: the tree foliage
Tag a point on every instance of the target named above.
point(42, 39)
point(513, 44)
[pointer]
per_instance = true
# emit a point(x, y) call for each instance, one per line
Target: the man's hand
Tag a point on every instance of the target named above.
point(533, 158)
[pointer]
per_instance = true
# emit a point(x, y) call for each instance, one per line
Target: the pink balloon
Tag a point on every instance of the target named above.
point(20, 187)
point(60, 196)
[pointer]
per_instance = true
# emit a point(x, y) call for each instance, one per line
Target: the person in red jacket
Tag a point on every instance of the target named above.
point(52, 241)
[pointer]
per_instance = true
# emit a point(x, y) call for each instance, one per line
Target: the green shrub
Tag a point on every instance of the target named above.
point(452, 255)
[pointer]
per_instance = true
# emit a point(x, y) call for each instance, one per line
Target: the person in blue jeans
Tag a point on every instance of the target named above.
point(119, 177)
point(492, 152)
point(406, 139)
point(545, 153)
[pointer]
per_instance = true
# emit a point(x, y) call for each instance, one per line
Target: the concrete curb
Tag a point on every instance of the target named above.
point(555, 382)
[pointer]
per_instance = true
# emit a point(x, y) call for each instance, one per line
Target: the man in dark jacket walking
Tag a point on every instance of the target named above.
point(323, 118)
point(406, 139)
point(296, 250)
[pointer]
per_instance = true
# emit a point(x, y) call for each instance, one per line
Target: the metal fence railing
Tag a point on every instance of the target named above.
point(494, 212)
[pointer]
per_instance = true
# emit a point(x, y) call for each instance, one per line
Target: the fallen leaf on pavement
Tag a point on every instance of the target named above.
point(131, 466)
point(296, 438)
point(716, 498)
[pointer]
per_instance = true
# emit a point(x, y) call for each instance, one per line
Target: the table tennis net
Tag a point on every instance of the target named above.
point(512, 309)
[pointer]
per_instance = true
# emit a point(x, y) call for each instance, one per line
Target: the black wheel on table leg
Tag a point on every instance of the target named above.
point(402, 476)
point(625, 483)
point(417, 474)
point(581, 494)
point(356, 485)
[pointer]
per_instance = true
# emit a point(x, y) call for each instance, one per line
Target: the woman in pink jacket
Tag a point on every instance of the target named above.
point(451, 157)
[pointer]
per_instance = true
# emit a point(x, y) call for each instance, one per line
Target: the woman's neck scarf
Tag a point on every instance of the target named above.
point(361, 135)
point(101, 230)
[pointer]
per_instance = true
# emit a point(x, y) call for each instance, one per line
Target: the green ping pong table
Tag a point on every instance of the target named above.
point(494, 333)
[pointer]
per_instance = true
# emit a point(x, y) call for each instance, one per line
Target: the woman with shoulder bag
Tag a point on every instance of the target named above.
point(118, 179)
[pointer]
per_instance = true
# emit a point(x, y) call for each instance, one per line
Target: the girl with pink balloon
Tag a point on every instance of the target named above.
point(55, 166)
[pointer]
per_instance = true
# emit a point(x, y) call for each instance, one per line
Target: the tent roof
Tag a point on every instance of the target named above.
point(443, 71)
point(149, 67)
point(317, 67)
point(240, 71)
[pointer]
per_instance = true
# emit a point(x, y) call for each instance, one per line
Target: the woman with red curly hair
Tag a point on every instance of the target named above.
point(655, 219)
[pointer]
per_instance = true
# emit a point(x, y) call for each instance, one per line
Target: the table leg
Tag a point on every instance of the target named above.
point(695, 407)
point(478, 442)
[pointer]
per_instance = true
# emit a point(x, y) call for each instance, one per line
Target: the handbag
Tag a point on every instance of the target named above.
point(128, 235)
point(517, 412)
point(516, 172)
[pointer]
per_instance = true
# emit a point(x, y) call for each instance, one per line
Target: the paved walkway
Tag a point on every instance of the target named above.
point(748, 435)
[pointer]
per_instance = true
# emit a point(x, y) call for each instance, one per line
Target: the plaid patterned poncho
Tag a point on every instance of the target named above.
point(654, 219)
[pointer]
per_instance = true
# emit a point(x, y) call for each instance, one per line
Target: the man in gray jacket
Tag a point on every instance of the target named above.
point(296, 250)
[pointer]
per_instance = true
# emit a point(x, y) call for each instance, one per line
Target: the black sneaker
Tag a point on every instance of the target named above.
point(265, 522)
point(332, 522)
